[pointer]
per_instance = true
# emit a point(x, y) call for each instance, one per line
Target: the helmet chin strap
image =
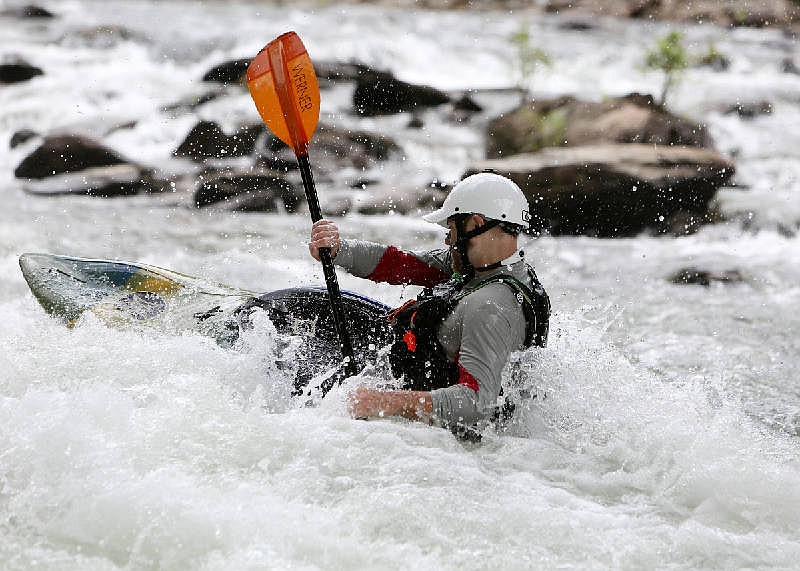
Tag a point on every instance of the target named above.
point(462, 244)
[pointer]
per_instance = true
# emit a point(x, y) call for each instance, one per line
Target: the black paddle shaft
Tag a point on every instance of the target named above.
point(337, 309)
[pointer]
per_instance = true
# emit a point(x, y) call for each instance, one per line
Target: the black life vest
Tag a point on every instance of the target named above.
point(416, 353)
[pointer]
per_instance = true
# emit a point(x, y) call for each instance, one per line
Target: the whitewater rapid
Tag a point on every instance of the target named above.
point(665, 433)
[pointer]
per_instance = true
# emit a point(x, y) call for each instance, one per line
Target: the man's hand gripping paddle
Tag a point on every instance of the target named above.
point(283, 84)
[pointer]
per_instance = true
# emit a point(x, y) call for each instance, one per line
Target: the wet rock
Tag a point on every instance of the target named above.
point(737, 13)
point(749, 110)
point(102, 37)
point(352, 143)
point(29, 11)
point(275, 155)
point(281, 159)
point(335, 72)
point(567, 121)
point(105, 181)
point(66, 153)
point(191, 103)
point(467, 104)
point(21, 137)
point(229, 72)
point(780, 13)
point(362, 183)
point(332, 149)
point(577, 25)
point(753, 17)
point(380, 93)
point(614, 189)
point(685, 222)
point(416, 121)
point(695, 276)
point(338, 206)
point(789, 66)
point(124, 126)
point(464, 109)
point(247, 191)
point(787, 230)
point(18, 72)
point(208, 140)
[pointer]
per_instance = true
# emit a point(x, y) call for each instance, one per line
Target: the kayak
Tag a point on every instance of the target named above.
point(127, 294)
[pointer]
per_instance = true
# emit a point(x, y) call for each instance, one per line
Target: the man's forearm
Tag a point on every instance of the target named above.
point(369, 403)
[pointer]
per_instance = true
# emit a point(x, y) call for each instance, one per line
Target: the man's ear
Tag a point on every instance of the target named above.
point(479, 220)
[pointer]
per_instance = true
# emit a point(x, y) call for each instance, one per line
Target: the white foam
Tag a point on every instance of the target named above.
point(667, 437)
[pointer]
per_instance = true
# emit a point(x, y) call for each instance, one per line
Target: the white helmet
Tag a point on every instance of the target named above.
point(488, 194)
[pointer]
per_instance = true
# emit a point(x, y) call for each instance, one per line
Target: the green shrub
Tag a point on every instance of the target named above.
point(670, 57)
point(528, 56)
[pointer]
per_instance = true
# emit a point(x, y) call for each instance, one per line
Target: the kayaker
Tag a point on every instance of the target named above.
point(481, 302)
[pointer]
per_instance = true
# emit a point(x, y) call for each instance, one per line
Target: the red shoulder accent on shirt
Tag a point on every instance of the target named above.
point(464, 378)
point(396, 267)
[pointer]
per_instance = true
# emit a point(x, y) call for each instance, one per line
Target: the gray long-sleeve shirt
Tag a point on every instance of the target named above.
point(480, 333)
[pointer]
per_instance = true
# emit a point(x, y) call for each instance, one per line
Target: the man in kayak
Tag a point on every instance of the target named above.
point(481, 302)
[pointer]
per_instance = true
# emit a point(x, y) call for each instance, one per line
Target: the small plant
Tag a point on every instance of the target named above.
point(714, 58)
point(528, 57)
point(670, 57)
point(740, 16)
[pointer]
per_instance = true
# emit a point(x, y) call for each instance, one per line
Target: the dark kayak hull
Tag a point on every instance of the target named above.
point(307, 312)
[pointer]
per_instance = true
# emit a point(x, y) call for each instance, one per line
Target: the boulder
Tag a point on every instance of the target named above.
point(21, 137)
point(18, 72)
point(229, 72)
point(104, 182)
point(102, 37)
point(336, 206)
point(616, 189)
point(380, 93)
point(416, 121)
point(750, 13)
point(748, 110)
point(728, 13)
point(356, 146)
point(208, 140)
point(332, 149)
point(192, 102)
point(577, 25)
point(463, 109)
point(789, 66)
point(695, 276)
point(334, 72)
point(247, 191)
point(66, 153)
point(567, 121)
point(29, 11)
point(466, 104)
point(281, 159)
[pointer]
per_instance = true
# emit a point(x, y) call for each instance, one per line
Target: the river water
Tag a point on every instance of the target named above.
point(668, 436)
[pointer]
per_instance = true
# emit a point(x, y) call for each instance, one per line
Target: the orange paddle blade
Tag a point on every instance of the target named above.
point(283, 85)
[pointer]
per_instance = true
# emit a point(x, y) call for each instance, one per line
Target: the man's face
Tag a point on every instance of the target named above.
point(452, 236)
point(452, 233)
point(450, 240)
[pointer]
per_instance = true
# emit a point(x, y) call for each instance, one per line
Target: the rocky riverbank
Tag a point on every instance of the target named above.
point(729, 13)
point(616, 167)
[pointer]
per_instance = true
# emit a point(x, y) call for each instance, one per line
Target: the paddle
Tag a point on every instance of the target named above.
point(283, 85)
